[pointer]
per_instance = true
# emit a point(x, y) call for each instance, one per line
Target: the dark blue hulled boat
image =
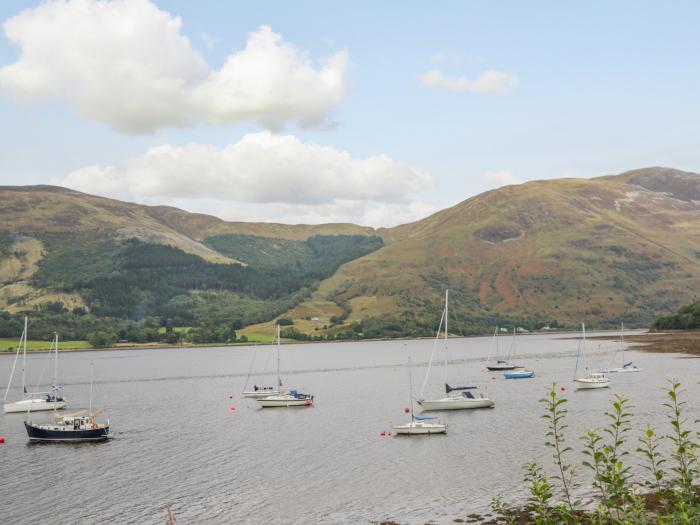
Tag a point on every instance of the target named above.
point(69, 428)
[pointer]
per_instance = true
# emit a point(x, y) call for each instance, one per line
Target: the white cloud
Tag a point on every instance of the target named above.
point(496, 179)
point(364, 213)
point(488, 82)
point(261, 167)
point(127, 63)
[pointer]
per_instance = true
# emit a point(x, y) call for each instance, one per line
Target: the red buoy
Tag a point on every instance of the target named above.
point(232, 408)
point(2, 439)
point(230, 397)
point(406, 410)
point(308, 402)
point(383, 434)
point(563, 389)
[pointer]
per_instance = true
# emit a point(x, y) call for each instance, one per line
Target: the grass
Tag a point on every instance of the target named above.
point(176, 329)
point(10, 345)
point(262, 337)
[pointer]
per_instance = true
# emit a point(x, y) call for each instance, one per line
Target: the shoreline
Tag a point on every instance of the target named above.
point(672, 341)
point(668, 342)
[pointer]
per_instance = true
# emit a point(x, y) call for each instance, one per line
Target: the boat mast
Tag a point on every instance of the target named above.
point(410, 383)
point(55, 361)
point(90, 406)
point(24, 359)
point(279, 379)
point(14, 364)
point(446, 313)
point(578, 353)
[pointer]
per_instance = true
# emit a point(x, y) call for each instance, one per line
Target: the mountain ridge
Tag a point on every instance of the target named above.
point(607, 249)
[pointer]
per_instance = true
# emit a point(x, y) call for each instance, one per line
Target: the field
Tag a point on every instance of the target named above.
point(10, 345)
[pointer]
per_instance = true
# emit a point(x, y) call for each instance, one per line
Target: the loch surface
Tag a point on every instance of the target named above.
point(177, 442)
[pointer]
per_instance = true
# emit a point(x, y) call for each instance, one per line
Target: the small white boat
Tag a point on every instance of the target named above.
point(293, 398)
point(456, 402)
point(419, 425)
point(592, 380)
point(34, 404)
point(456, 398)
point(34, 401)
point(288, 398)
point(626, 367)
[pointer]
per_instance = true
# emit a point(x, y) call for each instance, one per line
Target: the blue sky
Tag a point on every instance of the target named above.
point(600, 88)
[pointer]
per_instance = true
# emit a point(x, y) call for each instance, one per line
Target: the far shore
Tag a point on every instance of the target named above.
point(672, 341)
point(685, 342)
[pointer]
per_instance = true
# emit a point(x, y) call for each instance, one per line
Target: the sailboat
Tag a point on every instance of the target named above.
point(519, 372)
point(34, 401)
point(72, 428)
point(594, 379)
point(259, 390)
point(456, 397)
point(629, 366)
point(419, 425)
point(501, 364)
point(282, 398)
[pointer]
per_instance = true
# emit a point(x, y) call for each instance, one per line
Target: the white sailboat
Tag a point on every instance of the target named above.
point(626, 366)
point(419, 425)
point(284, 398)
point(34, 401)
point(592, 380)
point(500, 364)
point(258, 391)
point(519, 371)
point(455, 398)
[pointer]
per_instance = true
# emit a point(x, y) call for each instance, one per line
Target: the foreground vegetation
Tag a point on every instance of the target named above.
point(667, 494)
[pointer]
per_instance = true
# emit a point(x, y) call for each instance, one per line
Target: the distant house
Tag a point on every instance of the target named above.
point(315, 319)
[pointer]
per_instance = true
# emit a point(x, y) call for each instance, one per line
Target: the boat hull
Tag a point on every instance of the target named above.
point(413, 429)
point(519, 375)
point(32, 405)
point(257, 394)
point(624, 370)
point(455, 403)
point(590, 385)
point(49, 434)
point(283, 401)
point(500, 368)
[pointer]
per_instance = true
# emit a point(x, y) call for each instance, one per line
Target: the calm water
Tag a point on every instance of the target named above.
point(176, 441)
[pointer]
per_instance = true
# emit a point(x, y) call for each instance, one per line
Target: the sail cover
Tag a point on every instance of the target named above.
point(423, 418)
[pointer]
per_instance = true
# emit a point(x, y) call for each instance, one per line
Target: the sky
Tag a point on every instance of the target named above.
point(376, 113)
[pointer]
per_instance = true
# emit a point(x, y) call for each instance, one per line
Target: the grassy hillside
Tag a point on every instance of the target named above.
point(604, 250)
point(616, 248)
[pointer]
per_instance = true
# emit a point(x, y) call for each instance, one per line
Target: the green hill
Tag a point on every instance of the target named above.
point(605, 250)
